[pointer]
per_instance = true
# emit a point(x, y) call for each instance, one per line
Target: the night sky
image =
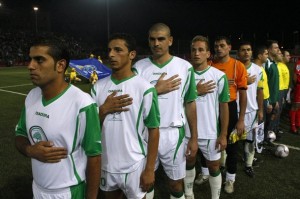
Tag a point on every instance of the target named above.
point(250, 20)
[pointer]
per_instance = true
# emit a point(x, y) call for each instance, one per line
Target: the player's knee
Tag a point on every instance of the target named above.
point(176, 185)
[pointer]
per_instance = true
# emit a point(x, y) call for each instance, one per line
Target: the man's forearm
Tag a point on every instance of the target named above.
point(192, 118)
point(224, 116)
point(153, 142)
point(243, 104)
point(93, 176)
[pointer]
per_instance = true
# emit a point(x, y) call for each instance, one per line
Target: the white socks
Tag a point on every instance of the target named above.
point(249, 152)
point(188, 182)
point(215, 186)
point(150, 195)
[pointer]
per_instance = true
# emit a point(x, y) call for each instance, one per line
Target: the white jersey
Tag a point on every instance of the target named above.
point(171, 105)
point(252, 105)
point(124, 134)
point(208, 104)
point(69, 120)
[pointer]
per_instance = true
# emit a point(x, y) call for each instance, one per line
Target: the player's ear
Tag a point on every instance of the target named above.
point(132, 54)
point(61, 65)
point(170, 40)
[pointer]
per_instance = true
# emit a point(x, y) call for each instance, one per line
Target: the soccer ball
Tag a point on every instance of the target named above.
point(281, 151)
point(271, 136)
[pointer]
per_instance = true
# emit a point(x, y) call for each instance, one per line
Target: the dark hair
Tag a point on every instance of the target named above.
point(260, 49)
point(243, 42)
point(202, 39)
point(129, 40)
point(227, 40)
point(269, 43)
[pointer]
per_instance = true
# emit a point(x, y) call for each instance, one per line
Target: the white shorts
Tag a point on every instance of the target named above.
point(250, 124)
point(171, 152)
point(129, 183)
point(77, 191)
point(208, 149)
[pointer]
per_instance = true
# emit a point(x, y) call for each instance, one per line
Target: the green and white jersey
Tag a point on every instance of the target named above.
point(171, 105)
point(252, 105)
point(125, 134)
point(69, 120)
point(208, 104)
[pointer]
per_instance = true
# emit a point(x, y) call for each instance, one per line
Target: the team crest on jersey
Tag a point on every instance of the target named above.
point(37, 134)
point(115, 117)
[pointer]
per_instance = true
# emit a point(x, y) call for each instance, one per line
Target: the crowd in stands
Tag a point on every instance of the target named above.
point(14, 46)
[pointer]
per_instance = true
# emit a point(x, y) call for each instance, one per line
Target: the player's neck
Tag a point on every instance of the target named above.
point(223, 59)
point(247, 63)
point(54, 89)
point(257, 62)
point(161, 59)
point(122, 74)
point(201, 67)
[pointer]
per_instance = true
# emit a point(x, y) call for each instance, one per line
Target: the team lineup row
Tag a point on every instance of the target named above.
point(158, 111)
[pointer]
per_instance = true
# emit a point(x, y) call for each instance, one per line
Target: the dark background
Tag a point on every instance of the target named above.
point(88, 20)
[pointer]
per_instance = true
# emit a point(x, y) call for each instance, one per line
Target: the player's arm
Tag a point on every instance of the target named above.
point(93, 175)
point(165, 86)
point(240, 126)
point(224, 117)
point(260, 103)
point(148, 175)
point(191, 115)
point(207, 87)
point(43, 151)
point(114, 104)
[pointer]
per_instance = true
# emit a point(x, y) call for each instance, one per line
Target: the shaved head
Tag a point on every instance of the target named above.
point(160, 27)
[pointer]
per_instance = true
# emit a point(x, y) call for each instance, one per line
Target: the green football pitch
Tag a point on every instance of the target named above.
point(275, 178)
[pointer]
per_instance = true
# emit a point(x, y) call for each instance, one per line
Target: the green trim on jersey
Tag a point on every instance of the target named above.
point(91, 142)
point(153, 118)
point(191, 93)
point(116, 82)
point(180, 139)
point(249, 66)
point(78, 191)
point(21, 126)
point(93, 91)
point(75, 170)
point(137, 130)
point(224, 95)
point(202, 71)
point(160, 65)
point(134, 70)
point(47, 102)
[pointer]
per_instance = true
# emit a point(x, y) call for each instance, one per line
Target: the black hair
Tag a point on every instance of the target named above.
point(130, 41)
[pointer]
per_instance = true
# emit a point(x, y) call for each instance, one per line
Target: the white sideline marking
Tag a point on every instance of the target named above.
point(13, 92)
point(290, 147)
point(16, 85)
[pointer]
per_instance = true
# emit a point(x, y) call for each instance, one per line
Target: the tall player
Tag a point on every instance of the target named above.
point(175, 84)
point(130, 138)
point(59, 128)
point(254, 109)
point(237, 78)
point(212, 108)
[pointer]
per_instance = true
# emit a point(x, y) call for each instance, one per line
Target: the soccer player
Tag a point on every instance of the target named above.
point(273, 82)
point(59, 128)
point(295, 110)
point(174, 81)
point(284, 78)
point(260, 56)
point(212, 108)
point(130, 138)
point(254, 109)
point(237, 78)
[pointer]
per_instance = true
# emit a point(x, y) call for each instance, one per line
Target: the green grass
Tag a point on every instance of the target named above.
point(275, 177)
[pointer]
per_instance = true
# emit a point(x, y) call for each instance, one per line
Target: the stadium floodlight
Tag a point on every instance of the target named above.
point(35, 9)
